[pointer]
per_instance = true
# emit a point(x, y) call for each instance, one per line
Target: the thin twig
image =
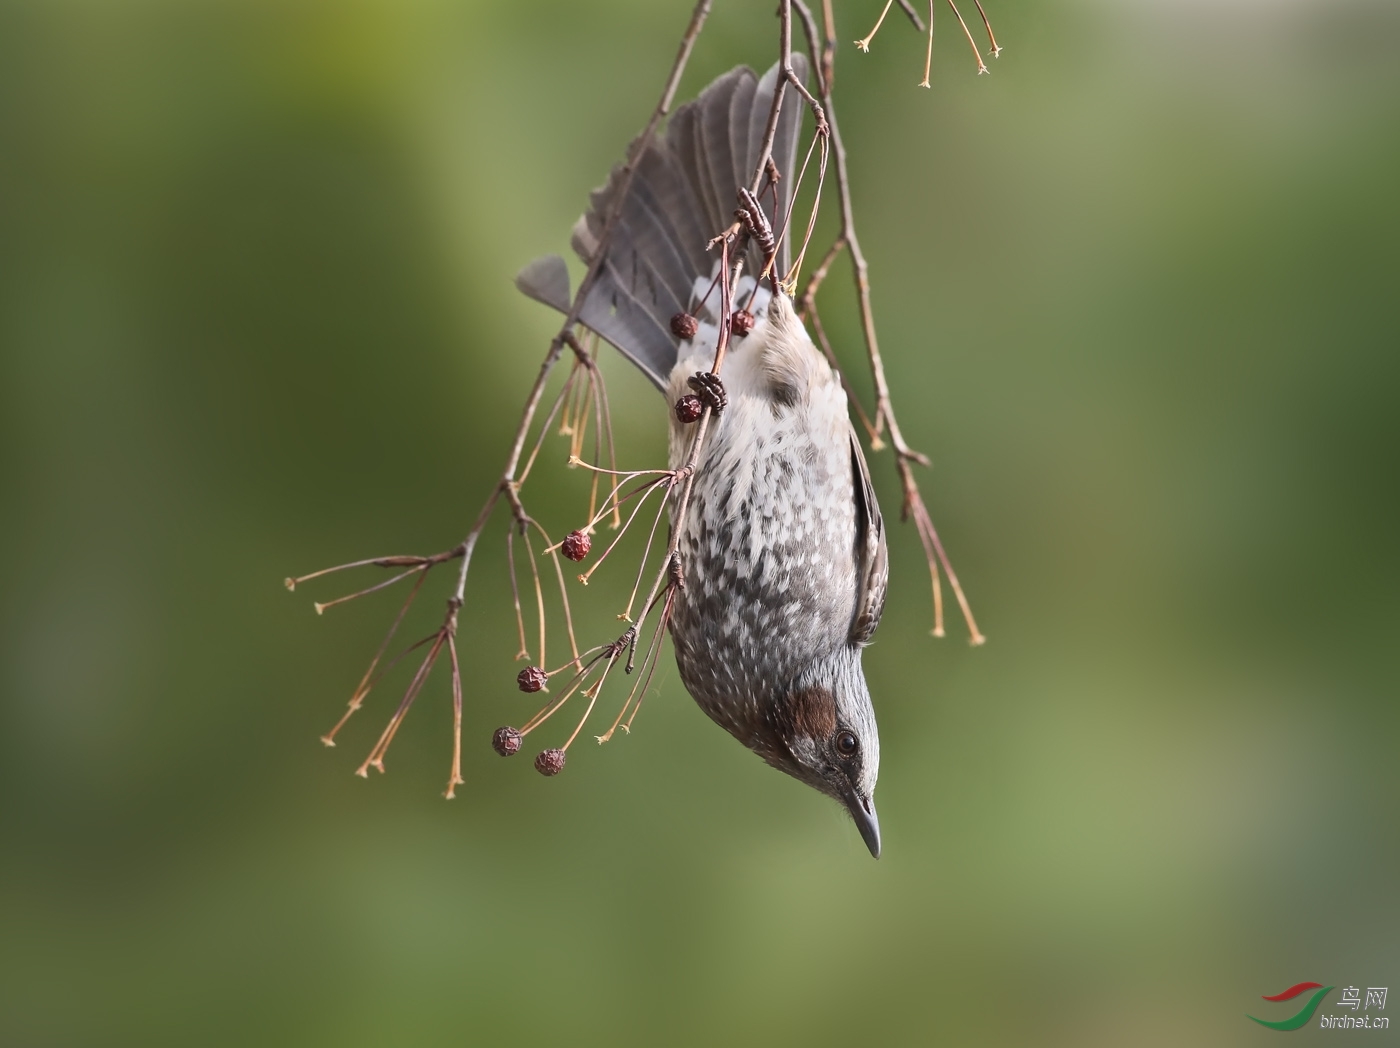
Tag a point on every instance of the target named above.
point(646, 491)
point(976, 52)
point(765, 151)
point(454, 778)
point(928, 54)
point(420, 677)
point(654, 652)
point(996, 50)
point(626, 616)
point(524, 652)
point(322, 607)
point(367, 681)
point(864, 42)
point(908, 9)
point(553, 555)
point(539, 594)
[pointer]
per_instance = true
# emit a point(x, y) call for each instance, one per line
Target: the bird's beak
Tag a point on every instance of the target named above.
point(862, 810)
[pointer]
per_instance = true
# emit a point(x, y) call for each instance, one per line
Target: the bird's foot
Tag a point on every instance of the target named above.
point(710, 389)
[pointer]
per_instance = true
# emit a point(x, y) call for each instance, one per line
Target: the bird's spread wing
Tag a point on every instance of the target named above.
point(683, 193)
point(872, 557)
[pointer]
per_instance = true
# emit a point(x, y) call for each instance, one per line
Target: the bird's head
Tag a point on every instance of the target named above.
point(822, 731)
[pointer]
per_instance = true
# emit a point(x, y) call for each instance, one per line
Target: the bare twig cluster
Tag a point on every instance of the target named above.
point(622, 498)
point(993, 49)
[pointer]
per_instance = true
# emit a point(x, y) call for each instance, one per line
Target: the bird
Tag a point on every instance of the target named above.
point(782, 548)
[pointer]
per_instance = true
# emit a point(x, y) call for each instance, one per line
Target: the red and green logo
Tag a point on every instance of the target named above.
point(1304, 1014)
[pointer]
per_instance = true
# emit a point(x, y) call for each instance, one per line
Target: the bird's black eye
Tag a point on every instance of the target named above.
point(846, 744)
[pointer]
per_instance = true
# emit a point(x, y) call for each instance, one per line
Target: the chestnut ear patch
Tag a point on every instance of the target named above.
point(810, 712)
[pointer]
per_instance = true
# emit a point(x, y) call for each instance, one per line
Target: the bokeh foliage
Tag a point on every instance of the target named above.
point(1137, 296)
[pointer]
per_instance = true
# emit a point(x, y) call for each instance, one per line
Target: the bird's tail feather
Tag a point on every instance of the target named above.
point(684, 193)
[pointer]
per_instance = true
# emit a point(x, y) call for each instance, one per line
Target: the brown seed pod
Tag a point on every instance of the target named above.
point(742, 322)
point(506, 741)
point(689, 408)
point(531, 678)
point(576, 545)
point(550, 762)
point(684, 326)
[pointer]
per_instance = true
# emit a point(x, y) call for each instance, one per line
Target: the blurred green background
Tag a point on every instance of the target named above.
point(1137, 291)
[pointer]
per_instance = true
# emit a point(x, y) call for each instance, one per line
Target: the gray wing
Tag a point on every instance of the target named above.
point(683, 194)
point(872, 557)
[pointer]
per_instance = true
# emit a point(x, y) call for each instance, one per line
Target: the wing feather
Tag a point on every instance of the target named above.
point(683, 193)
point(872, 556)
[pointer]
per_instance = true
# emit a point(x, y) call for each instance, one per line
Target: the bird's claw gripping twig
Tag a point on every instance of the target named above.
point(756, 225)
point(710, 389)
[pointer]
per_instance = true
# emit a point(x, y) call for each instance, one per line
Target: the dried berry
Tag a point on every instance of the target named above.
point(550, 762)
point(689, 408)
point(531, 678)
point(684, 326)
point(741, 322)
point(506, 741)
point(576, 546)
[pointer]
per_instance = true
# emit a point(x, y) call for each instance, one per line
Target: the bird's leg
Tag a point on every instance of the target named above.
point(757, 226)
point(710, 389)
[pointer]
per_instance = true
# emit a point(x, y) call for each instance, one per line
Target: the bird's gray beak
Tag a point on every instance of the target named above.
point(862, 810)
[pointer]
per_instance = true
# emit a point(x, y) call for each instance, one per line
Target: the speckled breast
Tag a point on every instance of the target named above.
point(767, 552)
